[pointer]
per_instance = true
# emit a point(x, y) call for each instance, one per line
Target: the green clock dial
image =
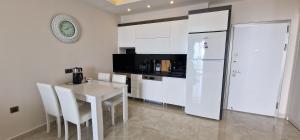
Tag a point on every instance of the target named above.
point(67, 28)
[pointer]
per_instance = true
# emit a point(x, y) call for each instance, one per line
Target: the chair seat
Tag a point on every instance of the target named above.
point(113, 101)
point(85, 112)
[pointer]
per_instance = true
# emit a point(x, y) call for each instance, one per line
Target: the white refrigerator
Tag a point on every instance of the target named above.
point(205, 64)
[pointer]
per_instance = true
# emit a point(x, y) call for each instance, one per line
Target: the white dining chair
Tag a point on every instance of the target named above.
point(71, 111)
point(51, 105)
point(104, 77)
point(112, 103)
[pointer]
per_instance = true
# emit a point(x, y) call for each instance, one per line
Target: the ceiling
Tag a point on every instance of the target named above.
point(141, 5)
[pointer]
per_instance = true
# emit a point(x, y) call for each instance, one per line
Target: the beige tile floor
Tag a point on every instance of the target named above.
point(152, 122)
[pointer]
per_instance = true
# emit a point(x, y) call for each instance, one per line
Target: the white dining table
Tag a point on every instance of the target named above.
point(95, 92)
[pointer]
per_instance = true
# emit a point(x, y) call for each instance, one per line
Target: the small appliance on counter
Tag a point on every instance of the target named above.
point(77, 74)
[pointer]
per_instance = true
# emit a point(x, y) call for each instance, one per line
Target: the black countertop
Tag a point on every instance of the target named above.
point(166, 74)
point(163, 74)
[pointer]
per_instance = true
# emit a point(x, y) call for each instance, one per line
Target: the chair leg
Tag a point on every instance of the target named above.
point(87, 123)
point(58, 121)
point(78, 132)
point(66, 130)
point(112, 115)
point(48, 123)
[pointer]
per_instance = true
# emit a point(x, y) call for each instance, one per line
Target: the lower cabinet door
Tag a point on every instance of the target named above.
point(175, 90)
point(152, 90)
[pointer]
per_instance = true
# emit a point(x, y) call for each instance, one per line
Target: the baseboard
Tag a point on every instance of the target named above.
point(26, 132)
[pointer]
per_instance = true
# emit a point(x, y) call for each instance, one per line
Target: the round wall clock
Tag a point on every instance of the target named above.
point(65, 28)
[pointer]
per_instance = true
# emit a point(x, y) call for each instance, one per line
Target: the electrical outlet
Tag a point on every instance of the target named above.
point(68, 70)
point(14, 109)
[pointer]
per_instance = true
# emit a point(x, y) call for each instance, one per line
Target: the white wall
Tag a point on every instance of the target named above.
point(248, 11)
point(30, 53)
point(294, 97)
point(167, 13)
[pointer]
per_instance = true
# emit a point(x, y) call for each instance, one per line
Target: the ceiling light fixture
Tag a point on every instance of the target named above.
point(148, 6)
point(171, 2)
point(128, 9)
point(121, 2)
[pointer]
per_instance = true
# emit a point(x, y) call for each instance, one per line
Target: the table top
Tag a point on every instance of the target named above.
point(98, 89)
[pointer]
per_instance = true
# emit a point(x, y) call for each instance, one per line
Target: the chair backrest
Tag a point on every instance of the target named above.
point(104, 77)
point(68, 104)
point(116, 78)
point(49, 99)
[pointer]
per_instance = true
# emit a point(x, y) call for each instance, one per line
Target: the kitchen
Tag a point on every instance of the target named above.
point(161, 63)
point(167, 69)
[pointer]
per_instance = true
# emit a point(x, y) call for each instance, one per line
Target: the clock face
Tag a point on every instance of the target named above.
point(67, 28)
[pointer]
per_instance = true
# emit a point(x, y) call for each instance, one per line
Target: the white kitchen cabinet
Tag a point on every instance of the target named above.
point(126, 36)
point(175, 90)
point(211, 21)
point(169, 90)
point(152, 90)
point(152, 46)
point(153, 30)
point(179, 37)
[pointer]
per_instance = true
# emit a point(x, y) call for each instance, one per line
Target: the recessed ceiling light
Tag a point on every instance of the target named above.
point(148, 6)
point(171, 2)
point(128, 9)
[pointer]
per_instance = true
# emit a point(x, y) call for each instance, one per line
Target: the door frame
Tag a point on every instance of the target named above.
point(283, 67)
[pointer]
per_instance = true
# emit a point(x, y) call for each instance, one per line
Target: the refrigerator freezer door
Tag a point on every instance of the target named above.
point(204, 88)
point(207, 45)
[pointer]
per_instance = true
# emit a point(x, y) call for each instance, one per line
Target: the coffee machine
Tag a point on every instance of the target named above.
point(77, 74)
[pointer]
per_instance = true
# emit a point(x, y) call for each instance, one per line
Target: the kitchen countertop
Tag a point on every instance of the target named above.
point(166, 74)
point(163, 74)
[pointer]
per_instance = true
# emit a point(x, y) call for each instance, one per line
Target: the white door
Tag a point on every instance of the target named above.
point(258, 59)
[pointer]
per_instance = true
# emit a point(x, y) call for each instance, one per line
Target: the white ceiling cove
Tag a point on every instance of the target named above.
point(139, 6)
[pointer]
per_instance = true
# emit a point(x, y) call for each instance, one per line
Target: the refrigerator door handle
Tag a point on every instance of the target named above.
point(204, 44)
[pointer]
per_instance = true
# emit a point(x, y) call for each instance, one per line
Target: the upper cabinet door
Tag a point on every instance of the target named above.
point(126, 36)
point(153, 30)
point(179, 37)
point(152, 46)
point(206, 22)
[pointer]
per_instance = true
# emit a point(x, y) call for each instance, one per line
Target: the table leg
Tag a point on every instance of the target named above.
point(125, 105)
point(97, 118)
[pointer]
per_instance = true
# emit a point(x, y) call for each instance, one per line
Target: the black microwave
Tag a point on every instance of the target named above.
point(123, 63)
